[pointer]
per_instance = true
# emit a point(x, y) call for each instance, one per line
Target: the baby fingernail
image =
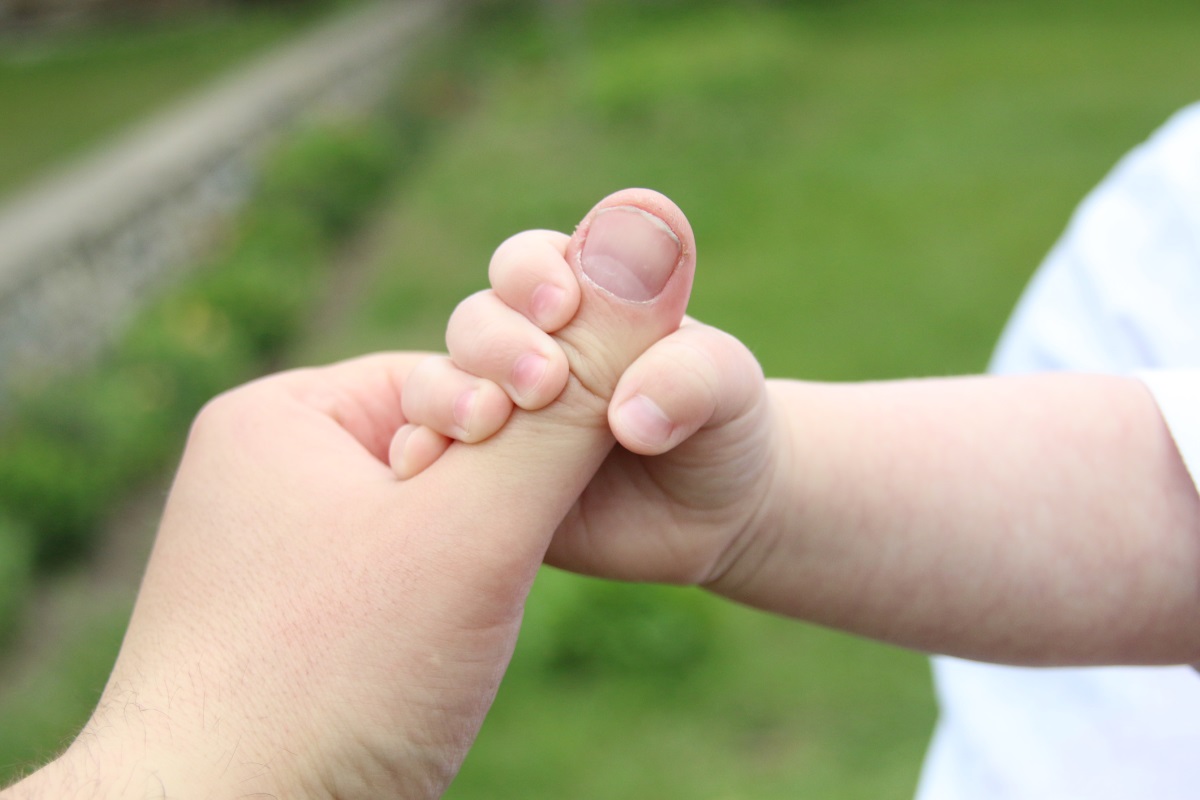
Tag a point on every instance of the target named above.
point(528, 372)
point(396, 453)
point(544, 305)
point(464, 408)
point(630, 253)
point(645, 421)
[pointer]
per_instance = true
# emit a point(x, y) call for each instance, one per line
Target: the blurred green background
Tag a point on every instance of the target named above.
point(62, 91)
point(871, 183)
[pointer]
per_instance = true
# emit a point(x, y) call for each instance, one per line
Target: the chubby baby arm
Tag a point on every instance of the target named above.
point(1040, 520)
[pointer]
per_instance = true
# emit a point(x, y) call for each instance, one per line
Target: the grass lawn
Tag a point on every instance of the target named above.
point(61, 93)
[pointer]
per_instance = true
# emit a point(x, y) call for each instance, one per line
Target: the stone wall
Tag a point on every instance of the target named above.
point(80, 252)
point(24, 15)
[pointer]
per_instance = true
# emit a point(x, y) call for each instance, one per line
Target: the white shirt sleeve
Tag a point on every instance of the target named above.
point(1120, 294)
point(1177, 392)
point(1121, 289)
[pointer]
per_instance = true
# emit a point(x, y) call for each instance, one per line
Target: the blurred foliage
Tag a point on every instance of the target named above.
point(74, 447)
point(16, 572)
point(65, 88)
point(602, 630)
point(44, 712)
point(327, 178)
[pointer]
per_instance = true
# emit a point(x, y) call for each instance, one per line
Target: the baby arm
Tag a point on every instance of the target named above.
point(1035, 520)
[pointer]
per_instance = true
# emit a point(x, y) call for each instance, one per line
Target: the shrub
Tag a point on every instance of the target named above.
point(49, 485)
point(328, 175)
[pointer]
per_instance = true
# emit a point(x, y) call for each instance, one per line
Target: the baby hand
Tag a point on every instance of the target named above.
point(692, 481)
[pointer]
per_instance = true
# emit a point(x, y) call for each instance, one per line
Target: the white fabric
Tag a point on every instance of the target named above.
point(1119, 293)
point(1178, 394)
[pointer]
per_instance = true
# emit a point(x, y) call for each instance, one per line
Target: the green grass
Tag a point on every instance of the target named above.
point(62, 93)
point(773, 710)
point(50, 706)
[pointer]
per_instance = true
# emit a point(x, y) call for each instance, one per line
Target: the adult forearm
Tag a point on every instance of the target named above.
point(1041, 519)
point(140, 746)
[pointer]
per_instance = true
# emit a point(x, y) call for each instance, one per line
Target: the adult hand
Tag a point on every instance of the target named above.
point(311, 626)
point(307, 626)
